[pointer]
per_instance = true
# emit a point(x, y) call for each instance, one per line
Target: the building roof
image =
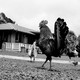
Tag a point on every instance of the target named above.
point(10, 26)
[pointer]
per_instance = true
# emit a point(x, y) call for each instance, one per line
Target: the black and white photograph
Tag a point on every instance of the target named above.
point(39, 39)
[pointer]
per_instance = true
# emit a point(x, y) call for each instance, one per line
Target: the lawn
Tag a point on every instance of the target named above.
point(25, 70)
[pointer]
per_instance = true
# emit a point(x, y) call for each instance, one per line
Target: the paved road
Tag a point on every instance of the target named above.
point(37, 59)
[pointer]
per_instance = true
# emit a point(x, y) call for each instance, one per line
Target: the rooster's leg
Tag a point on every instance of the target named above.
point(50, 64)
point(50, 59)
point(45, 62)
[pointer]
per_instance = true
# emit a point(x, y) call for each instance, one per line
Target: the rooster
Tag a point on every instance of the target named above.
point(47, 43)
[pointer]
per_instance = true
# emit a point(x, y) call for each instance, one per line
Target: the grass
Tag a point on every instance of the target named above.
point(38, 64)
point(24, 70)
point(22, 54)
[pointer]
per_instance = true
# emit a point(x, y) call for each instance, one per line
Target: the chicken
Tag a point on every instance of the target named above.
point(47, 42)
point(75, 63)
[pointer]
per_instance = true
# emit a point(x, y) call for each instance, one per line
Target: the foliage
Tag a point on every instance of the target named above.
point(78, 46)
point(71, 40)
point(4, 19)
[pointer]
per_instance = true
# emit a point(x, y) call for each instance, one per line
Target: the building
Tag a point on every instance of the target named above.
point(14, 37)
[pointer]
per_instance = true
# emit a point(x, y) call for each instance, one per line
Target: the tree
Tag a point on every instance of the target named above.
point(71, 43)
point(71, 40)
point(4, 19)
point(78, 46)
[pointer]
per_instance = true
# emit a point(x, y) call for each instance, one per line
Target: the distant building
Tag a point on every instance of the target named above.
point(14, 37)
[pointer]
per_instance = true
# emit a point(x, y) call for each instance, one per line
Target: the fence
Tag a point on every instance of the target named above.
point(15, 46)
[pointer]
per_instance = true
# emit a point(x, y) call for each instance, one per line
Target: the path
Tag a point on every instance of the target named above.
point(37, 59)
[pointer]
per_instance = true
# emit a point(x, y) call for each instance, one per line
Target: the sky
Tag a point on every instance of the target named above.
point(29, 13)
